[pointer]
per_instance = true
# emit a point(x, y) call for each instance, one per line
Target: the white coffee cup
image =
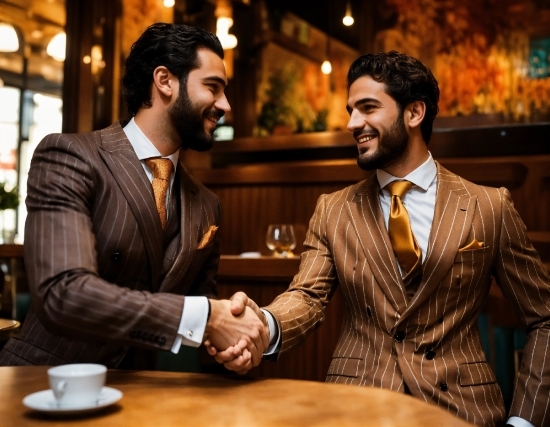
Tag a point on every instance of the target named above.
point(77, 384)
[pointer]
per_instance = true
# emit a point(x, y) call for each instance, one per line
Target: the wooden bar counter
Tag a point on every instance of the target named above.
point(177, 399)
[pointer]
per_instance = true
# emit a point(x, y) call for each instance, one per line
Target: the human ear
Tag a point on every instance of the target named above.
point(415, 112)
point(163, 80)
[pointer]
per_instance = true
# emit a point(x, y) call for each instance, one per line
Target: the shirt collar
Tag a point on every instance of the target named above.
point(143, 147)
point(422, 176)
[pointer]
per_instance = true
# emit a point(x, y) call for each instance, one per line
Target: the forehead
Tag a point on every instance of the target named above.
point(211, 66)
point(366, 87)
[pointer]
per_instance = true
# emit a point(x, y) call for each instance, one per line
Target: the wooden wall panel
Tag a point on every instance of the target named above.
point(252, 201)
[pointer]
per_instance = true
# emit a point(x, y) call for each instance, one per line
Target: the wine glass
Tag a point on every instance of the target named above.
point(280, 239)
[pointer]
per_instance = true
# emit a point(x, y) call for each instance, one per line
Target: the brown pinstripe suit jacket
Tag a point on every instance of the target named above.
point(386, 335)
point(100, 278)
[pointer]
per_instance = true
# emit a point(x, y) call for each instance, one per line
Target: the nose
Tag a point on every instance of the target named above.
point(355, 121)
point(223, 104)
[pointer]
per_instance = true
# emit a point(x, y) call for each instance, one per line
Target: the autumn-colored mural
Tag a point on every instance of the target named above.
point(480, 51)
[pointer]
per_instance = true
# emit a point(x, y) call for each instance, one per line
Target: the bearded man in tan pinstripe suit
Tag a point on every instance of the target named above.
point(416, 335)
point(108, 268)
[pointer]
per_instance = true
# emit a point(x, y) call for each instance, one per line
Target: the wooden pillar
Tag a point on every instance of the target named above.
point(90, 88)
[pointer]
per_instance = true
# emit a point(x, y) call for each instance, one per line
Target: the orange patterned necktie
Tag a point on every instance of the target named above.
point(161, 169)
point(404, 244)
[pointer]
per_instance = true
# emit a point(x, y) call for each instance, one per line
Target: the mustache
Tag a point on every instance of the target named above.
point(366, 132)
point(215, 114)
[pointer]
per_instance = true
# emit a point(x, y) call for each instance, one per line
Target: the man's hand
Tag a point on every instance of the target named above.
point(236, 328)
point(239, 358)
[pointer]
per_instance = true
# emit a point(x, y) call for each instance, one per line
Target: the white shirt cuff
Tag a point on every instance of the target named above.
point(274, 335)
point(519, 422)
point(192, 324)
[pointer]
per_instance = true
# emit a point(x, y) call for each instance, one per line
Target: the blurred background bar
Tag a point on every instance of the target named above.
point(285, 141)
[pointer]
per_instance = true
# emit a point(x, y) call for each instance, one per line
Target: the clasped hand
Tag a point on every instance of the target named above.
point(237, 333)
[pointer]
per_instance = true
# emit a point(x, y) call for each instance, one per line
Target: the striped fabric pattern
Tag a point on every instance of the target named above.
point(94, 253)
point(429, 343)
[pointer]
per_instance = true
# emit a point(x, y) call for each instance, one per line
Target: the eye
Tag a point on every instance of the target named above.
point(368, 108)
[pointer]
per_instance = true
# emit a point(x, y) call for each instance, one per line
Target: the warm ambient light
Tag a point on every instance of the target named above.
point(228, 41)
point(326, 68)
point(169, 3)
point(348, 19)
point(9, 42)
point(56, 46)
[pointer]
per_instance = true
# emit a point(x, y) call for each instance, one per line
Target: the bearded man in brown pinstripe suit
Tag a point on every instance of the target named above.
point(108, 267)
point(416, 335)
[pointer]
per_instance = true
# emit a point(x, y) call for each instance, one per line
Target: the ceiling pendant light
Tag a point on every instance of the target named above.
point(56, 46)
point(348, 19)
point(228, 41)
point(224, 13)
point(326, 67)
point(9, 42)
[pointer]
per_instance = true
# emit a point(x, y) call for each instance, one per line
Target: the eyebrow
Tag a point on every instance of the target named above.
point(215, 79)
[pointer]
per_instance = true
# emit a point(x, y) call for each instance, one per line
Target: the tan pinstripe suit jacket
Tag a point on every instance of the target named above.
point(99, 276)
point(430, 342)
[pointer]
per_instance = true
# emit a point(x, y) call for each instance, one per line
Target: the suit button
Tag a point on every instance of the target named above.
point(116, 256)
point(430, 354)
point(399, 336)
point(443, 387)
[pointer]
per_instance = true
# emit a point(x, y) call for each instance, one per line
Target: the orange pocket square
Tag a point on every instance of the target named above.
point(208, 236)
point(474, 244)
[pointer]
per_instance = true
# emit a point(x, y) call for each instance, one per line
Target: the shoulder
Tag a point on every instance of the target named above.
point(79, 142)
point(485, 194)
point(351, 191)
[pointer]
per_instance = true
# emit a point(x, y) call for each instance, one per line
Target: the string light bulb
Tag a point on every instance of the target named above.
point(348, 19)
point(169, 3)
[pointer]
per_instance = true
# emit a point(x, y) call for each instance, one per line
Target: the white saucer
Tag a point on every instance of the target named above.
point(44, 401)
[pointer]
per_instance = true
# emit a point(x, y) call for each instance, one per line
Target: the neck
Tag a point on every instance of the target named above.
point(416, 154)
point(157, 130)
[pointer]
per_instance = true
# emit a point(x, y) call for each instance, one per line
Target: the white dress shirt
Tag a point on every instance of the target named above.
point(195, 310)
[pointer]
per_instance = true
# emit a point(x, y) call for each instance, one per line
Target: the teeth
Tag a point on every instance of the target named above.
point(365, 138)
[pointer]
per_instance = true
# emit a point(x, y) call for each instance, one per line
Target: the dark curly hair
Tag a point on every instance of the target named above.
point(406, 79)
point(172, 45)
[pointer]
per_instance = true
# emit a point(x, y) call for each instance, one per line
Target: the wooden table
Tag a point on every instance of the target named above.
point(164, 399)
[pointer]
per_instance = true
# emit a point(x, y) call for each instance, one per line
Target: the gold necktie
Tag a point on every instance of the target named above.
point(404, 244)
point(161, 169)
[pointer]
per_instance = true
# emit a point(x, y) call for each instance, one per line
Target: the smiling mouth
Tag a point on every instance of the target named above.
point(365, 138)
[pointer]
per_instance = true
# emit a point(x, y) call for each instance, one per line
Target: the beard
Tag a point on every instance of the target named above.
point(188, 121)
point(390, 150)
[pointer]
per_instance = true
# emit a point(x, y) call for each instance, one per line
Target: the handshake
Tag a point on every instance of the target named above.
point(237, 333)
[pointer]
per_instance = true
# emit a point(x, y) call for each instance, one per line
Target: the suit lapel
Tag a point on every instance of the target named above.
point(454, 212)
point(366, 216)
point(121, 159)
point(190, 220)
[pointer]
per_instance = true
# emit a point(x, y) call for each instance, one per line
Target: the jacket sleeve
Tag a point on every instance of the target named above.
point(525, 283)
point(301, 308)
point(69, 296)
